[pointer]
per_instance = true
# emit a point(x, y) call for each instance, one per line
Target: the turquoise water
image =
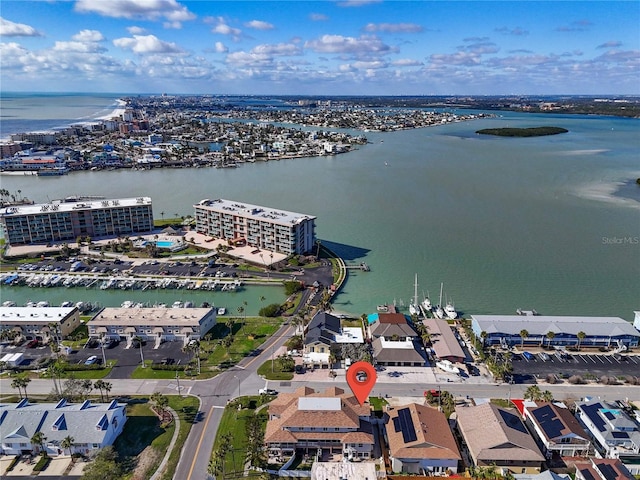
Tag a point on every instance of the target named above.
point(163, 244)
point(547, 223)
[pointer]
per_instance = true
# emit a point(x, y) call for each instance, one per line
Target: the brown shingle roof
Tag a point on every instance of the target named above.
point(434, 438)
point(494, 434)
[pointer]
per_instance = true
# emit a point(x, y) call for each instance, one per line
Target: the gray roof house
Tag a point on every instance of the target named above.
point(92, 426)
point(615, 433)
point(395, 341)
point(321, 334)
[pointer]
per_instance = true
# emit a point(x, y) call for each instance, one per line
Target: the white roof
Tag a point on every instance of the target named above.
point(256, 212)
point(350, 335)
point(71, 206)
point(319, 403)
point(13, 315)
point(542, 324)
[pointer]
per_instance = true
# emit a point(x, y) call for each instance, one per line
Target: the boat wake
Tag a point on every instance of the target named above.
point(595, 151)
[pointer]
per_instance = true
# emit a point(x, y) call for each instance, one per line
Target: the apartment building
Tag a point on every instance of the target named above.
point(40, 323)
point(261, 227)
point(152, 324)
point(66, 221)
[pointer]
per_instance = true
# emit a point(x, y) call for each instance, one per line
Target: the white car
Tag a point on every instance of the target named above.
point(267, 391)
point(91, 360)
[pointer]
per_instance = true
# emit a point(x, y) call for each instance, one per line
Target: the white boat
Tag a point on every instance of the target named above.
point(382, 308)
point(9, 303)
point(450, 311)
point(222, 311)
point(426, 303)
point(177, 304)
point(414, 308)
point(447, 366)
point(127, 304)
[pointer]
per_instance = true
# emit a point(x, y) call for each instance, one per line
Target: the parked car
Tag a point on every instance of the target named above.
point(91, 360)
point(32, 344)
point(267, 391)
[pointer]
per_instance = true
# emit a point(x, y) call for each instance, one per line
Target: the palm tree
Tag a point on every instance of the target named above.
point(240, 310)
point(107, 388)
point(547, 396)
point(17, 384)
point(99, 384)
point(39, 439)
point(533, 393)
point(550, 336)
point(523, 334)
point(581, 336)
point(67, 442)
point(137, 339)
point(160, 401)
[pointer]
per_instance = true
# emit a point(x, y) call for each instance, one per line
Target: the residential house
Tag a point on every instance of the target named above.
point(395, 342)
point(443, 340)
point(324, 337)
point(420, 441)
point(91, 425)
point(557, 430)
point(615, 433)
point(603, 469)
point(496, 436)
point(329, 425)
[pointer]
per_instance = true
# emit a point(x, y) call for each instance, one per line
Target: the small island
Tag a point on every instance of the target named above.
point(522, 132)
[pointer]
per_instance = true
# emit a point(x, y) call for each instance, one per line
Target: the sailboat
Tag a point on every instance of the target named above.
point(414, 307)
point(438, 312)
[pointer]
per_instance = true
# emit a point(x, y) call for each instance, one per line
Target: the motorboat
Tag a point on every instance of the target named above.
point(450, 311)
point(426, 303)
point(447, 366)
point(222, 311)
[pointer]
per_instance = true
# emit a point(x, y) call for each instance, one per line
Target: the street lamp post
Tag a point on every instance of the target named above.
point(141, 354)
point(178, 382)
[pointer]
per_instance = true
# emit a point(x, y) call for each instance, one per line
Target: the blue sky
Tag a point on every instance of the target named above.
point(343, 47)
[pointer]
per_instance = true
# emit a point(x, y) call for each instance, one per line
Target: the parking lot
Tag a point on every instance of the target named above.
point(568, 364)
point(128, 359)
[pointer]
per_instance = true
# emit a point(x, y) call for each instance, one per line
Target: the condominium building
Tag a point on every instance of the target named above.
point(153, 324)
point(40, 323)
point(66, 221)
point(260, 227)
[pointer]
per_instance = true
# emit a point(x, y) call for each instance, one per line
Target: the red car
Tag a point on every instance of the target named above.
point(33, 344)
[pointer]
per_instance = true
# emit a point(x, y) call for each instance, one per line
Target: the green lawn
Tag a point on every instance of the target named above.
point(274, 373)
point(186, 408)
point(142, 430)
point(233, 421)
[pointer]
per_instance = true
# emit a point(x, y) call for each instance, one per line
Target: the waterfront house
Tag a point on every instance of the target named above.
point(496, 436)
point(91, 425)
point(324, 336)
point(420, 441)
point(395, 342)
point(557, 430)
point(329, 426)
point(443, 340)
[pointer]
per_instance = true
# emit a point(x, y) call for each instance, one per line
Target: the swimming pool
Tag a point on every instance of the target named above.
point(164, 244)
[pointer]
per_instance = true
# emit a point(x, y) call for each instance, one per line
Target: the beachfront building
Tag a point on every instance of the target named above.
point(39, 323)
point(260, 227)
point(615, 433)
point(327, 426)
point(496, 436)
point(152, 324)
point(611, 332)
point(557, 430)
point(420, 441)
point(91, 425)
point(66, 221)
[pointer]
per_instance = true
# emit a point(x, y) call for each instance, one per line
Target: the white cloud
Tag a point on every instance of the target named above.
point(88, 36)
point(221, 47)
point(152, 10)
point(394, 27)
point(259, 25)
point(610, 44)
point(142, 44)
point(357, 3)
point(406, 62)
point(373, 65)
point(249, 59)
point(517, 31)
point(224, 29)
point(12, 29)
point(134, 30)
point(277, 49)
point(351, 45)
point(79, 47)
